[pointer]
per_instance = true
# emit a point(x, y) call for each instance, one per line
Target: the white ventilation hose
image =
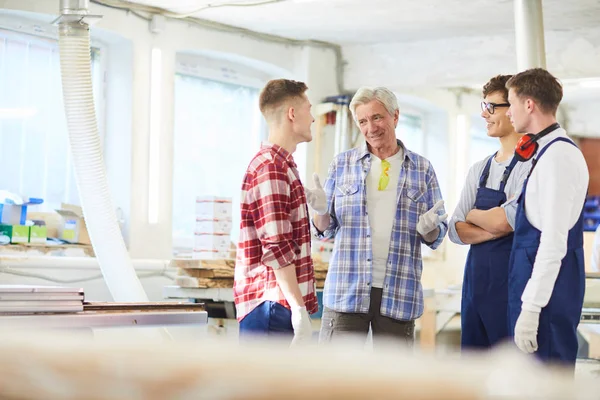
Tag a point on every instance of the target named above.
point(90, 174)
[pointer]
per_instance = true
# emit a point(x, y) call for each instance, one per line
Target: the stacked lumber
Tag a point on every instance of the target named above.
point(204, 273)
point(320, 271)
point(219, 273)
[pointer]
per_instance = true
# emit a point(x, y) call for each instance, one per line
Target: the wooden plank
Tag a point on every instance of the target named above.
point(191, 282)
point(206, 273)
point(319, 265)
point(428, 325)
point(320, 275)
point(58, 250)
point(202, 264)
point(196, 273)
point(187, 263)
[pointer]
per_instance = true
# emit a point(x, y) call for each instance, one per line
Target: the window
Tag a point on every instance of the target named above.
point(410, 131)
point(425, 134)
point(218, 129)
point(480, 144)
point(34, 143)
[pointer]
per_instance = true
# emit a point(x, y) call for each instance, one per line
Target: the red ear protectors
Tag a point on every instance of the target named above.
point(528, 146)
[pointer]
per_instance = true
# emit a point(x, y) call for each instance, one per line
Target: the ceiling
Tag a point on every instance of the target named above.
point(408, 43)
point(348, 22)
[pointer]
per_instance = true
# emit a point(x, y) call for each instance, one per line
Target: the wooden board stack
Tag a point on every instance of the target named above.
point(219, 273)
point(320, 271)
point(204, 273)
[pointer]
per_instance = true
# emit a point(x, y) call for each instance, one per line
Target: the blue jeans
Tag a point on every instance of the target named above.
point(268, 319)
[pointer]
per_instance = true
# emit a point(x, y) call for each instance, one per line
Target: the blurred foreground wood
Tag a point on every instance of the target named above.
point(65, 367)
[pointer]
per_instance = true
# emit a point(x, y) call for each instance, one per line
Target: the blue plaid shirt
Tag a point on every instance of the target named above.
point(348, 283)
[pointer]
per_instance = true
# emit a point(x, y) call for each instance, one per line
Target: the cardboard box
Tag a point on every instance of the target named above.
point(208, 225)
point(213, 207)
point(38, 234)
point(5, 233)
point(73, 228)
point(210, 255)
point(52, 220)
point(210, 242)
point(16, 233)
point(12, 214)
point(16, 214)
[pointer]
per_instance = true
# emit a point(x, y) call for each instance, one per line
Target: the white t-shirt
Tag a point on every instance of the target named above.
point(381, 206)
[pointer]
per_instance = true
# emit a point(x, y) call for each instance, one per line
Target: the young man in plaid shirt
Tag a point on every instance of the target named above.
point(274, 286)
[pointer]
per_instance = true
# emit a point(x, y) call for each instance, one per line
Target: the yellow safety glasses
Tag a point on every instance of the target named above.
point(384, 179)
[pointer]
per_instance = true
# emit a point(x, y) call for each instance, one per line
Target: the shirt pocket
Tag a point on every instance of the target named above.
point(416, 194)
point(348, 201)
point(346, 189)
point(416, 201)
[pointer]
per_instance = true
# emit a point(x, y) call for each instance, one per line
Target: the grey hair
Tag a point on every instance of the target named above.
point(383, 95)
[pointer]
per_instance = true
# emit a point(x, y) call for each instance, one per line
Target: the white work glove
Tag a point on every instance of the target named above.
point(302, 326)
point(430, 220)
point(526, 331)
point(316, 198)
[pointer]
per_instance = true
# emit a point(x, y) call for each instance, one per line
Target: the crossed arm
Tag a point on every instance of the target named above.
point(472, 226)
point(487, 224)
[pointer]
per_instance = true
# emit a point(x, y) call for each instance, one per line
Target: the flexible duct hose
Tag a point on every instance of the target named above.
point(90, 174)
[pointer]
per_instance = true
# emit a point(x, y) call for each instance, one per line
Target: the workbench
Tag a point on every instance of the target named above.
point(105, 315)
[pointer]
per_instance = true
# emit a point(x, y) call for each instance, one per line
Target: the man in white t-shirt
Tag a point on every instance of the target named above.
point(380, 202)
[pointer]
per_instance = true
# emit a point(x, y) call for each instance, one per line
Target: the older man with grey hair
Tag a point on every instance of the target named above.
point(380, 202)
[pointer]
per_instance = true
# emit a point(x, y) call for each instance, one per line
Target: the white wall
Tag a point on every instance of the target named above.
point(319, 73)
point(583, 118)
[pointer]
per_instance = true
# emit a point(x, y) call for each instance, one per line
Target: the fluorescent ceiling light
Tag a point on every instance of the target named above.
point(154, 139)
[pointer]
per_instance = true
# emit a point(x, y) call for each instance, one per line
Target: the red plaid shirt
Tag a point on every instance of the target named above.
point(274, 232)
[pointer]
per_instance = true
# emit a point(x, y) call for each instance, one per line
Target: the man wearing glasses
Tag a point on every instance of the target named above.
point(380, 202)
point(485, 220)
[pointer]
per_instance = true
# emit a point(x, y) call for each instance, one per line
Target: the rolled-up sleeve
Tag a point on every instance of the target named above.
point(435, 195)
point(465, 204)
point(329, 188)
point(510, 206)
point(510, 209)
point(271, 196)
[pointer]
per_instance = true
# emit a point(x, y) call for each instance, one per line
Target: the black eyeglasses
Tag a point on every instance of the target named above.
point(491, 107)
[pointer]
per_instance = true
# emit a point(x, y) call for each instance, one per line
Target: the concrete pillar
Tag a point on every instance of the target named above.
point(529, 34)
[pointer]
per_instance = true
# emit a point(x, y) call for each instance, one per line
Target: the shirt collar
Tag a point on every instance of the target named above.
point(408, 155)
point(279, 152)
point(559, 132)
